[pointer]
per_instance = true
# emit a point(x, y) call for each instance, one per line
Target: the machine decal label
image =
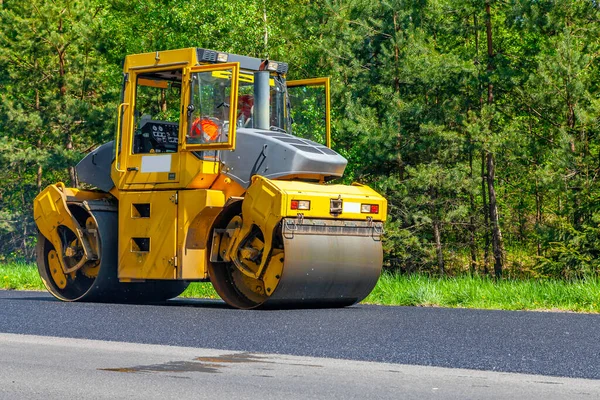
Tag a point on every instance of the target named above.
point(156, 163)
point(348, 207)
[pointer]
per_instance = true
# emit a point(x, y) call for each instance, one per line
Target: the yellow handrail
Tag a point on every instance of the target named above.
point(118, 137)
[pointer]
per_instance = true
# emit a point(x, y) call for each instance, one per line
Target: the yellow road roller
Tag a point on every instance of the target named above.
point(219, 171)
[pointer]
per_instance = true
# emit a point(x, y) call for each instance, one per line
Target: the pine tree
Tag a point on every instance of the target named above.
point(54, 104)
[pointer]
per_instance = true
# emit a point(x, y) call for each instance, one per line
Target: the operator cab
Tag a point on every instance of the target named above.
point(184, 105)
point(157, 112)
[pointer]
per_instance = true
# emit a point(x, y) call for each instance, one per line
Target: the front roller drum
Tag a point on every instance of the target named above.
point(98, 279)
point(325, 264)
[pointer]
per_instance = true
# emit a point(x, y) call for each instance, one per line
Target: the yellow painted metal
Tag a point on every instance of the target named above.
point(196, 173)
point(193, 173)
point(56, 272)
point(273, 271)
point(229, 187)
point(173, 231)
point(161, 59)
point(320, 197)
point(233, 98)
point(185, 169)
point(197, 209)
point(128, 173)
point(136, 175)
point(148, 241)
point(268, 201)
point(243, 77)
point(166, 218)
point(325, 83)
point(261, 207)
point(122, 138)
point(80, 195)
point(153, 83)
point(248, 241)
point(118, 136)
point(50, 211)
point(272, 199)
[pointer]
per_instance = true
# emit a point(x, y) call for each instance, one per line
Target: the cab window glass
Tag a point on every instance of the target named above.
point(277, 109)
point(309, 112)
point(209, 107)
point(157, 112)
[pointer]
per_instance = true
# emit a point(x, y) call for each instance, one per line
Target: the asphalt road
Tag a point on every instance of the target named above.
point(39, 367)
point(553, 344)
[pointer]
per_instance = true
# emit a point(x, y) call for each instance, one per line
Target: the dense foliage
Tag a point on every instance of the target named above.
point(478, 120)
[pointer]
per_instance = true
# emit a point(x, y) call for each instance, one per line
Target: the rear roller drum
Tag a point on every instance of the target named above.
point(78, 284)
point(96, 280)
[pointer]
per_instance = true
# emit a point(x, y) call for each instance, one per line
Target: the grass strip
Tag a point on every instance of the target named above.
point(481, 292)
point(20, 276)
point(415, 290)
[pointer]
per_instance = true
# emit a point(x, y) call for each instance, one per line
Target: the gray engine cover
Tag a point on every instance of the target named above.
point(94, 169)
point(276, 155)
point(258, 152)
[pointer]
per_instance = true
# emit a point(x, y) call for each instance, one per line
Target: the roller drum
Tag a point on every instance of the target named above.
point(326, 271)
point(328, 264)
point(105, 286)
point(325, 264)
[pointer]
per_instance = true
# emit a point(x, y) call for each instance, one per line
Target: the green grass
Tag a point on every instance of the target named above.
point(478, 292)
point(415, 290)
point(200, 290)
point(20, 276)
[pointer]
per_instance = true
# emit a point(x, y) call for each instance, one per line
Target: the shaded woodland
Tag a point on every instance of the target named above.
point(478, 120)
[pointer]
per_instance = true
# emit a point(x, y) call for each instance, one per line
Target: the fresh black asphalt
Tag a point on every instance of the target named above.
point(547, 343)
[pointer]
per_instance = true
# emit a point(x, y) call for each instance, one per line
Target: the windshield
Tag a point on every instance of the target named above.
point(246, 117)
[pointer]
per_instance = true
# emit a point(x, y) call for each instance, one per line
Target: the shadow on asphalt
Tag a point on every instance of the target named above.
point(189, 302)
point(200, 303)
point(31, 298)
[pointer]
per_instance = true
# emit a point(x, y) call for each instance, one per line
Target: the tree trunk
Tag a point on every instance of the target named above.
point(472, 242)
point(490, 50)
point(39, 179)
point(72, 173)
point(496, 233)
point(396, 56)
point(163, 100)
point(438, 246)
point(433, 195)
point(538, 215)
point(62, 86)
point(495, 226)
point(266, 37)
point(24, 219)
point(39, 142)
point(486, 216)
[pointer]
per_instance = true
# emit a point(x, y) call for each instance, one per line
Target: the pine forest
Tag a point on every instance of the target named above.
point(478, 120)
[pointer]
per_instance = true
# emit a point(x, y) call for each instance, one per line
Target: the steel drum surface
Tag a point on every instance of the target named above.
point(327, 270)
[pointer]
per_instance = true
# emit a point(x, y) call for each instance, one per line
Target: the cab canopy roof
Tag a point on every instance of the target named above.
point(197, 56)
